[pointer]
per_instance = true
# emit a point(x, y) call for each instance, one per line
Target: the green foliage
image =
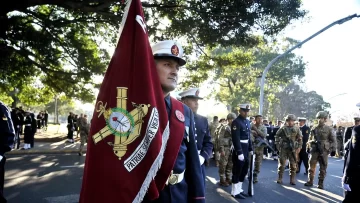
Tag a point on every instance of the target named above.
point(235, 70)
point(292, 99)
point(59, 44)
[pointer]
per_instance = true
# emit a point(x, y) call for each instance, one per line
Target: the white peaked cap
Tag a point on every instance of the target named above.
point(191, 93)
point(169, 48)
point(245, 106)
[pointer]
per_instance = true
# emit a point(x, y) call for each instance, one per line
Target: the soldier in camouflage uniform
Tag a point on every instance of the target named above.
point(224, 141)
point(258, 130)
point(288, 140)
point(212, 127)
point(339, 141)
point(319, 145)
point(84, 131)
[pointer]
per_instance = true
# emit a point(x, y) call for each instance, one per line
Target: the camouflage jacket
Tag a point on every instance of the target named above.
point(289, 137)
point(223, 136)
point(323, 134)
point(262, 132)
point(213, 126)
point(83, 125)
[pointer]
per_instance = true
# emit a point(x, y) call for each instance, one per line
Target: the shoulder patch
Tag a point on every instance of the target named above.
point(234, 127)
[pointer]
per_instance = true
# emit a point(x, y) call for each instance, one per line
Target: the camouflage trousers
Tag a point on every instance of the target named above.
point(314, 158)
point(339, 145)
point(83, 140)
point(259, 153)
point(284, 155)
point(225, 165)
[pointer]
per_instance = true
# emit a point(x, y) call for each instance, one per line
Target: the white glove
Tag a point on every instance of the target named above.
point(202, 160)
point(346, 187)
point(241, 157)
point(251, 152)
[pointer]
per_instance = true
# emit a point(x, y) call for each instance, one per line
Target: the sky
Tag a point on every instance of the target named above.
point(333, 65)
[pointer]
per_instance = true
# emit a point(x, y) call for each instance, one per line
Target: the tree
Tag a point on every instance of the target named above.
point(293, 100)
point(235, 70)
point(59, 45)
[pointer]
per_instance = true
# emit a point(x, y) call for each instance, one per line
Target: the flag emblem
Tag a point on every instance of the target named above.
point(124, 125)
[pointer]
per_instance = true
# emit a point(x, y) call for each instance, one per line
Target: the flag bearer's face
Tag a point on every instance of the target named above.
point(167, 69)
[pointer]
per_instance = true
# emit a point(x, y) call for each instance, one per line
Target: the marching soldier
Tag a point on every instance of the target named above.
point(190, 98)
point(288, 140)
point(303, 156)
point(7, 134)
point(240, 134)
point(319, 145)
point(272, 136)
point(84, 128)
point(348, 130)
point(224, 143)
point(182, 185)
point(258, 131)
point(339, 141)
point(213, 126)
point(351, 177)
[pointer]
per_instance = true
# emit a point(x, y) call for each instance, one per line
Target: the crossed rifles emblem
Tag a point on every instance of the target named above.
point(124, 125)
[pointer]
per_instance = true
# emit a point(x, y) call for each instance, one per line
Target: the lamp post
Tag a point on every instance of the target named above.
point(336, 96)
point(338, 22)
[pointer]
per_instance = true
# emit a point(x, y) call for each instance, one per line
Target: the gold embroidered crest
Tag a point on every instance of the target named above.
point(121, 123)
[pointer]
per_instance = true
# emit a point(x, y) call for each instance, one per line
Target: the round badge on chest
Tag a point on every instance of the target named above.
point(179, 116)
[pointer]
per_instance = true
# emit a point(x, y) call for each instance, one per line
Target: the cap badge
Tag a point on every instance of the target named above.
point(197, 93)
point(179, 116)
point(175, 50)
point(247, 107)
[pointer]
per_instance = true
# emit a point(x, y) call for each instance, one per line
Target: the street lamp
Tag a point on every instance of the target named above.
point(338, 22)
point(336, 96)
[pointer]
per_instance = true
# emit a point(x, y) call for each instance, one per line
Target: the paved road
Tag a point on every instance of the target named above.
point(57, 179)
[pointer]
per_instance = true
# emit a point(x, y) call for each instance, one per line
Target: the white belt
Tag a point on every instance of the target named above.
point(199, 151)
point(244, 141)
point(27, 124)
point(175, 178)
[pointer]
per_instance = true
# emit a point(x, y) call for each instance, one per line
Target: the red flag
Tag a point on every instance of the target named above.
point(129, 129)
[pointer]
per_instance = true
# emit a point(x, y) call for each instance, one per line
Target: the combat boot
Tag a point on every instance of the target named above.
point(279, 180)
point(292, 180)
point(310, 182)
point(255, 178)
point(228, 180)
point(321, 184)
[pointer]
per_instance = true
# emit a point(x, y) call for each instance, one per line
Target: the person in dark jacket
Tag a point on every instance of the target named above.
point(351, 177)
point(17, 122)
point(33, 129)
point(7, 134)
point(27, 131)
point(71, 128)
